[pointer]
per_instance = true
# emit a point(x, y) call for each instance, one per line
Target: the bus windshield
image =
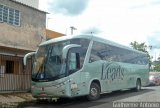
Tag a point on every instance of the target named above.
point(48, 64)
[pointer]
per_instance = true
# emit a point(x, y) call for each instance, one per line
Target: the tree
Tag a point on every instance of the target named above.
point(157, 64)
point(157, 67)
point(139, 46)
point(159, 58)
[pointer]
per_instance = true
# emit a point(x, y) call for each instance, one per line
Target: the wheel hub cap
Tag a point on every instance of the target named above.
point(94, 92)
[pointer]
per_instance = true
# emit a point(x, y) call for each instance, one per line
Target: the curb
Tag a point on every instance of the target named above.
point(9, 105)
point(16, 104)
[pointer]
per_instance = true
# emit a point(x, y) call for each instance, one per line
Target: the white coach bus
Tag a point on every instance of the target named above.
point(86, 65)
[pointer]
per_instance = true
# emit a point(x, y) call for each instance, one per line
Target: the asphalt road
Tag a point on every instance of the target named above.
point(147, 94)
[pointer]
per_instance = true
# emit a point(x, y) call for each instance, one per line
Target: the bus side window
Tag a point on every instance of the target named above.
point(73, 62)
point(96, 52)
point(93, 58)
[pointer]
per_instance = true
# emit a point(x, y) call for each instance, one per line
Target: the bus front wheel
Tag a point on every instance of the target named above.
point(94, 92)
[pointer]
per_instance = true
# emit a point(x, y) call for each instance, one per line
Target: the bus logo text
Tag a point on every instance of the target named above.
point(112, 71)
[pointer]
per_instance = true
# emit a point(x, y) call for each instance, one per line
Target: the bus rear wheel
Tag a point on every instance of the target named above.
point(138, 85)
point(94, 92)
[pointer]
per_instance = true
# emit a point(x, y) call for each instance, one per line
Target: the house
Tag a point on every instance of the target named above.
point(53, 34)
point(22, 29)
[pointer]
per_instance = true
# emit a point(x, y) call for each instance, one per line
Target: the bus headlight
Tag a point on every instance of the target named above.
point(32, 87)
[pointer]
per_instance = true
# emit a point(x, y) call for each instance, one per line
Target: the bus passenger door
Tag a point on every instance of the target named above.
point(73, 68)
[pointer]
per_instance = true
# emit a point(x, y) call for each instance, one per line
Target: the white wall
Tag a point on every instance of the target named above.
point(32, 3)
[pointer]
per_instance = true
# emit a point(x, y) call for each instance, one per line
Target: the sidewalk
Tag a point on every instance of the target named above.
point(13, 99)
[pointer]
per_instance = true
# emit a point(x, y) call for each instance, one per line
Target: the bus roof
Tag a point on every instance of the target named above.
point(90, 37)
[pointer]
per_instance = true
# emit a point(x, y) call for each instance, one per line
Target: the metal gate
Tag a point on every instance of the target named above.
point(13, 76)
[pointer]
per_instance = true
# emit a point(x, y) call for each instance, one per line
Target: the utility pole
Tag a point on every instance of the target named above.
point(154, 47)
point(92, 32)
point(72, 29)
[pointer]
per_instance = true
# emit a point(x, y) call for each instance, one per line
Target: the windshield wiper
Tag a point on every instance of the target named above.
point(56, 77)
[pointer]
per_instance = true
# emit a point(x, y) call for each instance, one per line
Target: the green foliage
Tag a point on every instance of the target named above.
point(139, 46)
point(159, 58)
point(157, 67)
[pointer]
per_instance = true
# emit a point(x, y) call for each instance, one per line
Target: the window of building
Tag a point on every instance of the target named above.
point(9, 15)
point(9, 66)
point(17, 17)
point(2, 68)
point(1, 13)
point(5, 14)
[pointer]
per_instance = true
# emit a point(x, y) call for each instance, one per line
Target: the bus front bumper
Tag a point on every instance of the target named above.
point(52, 91)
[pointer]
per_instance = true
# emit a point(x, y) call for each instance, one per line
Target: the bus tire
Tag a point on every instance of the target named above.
point(94, 92)
point(138, 85)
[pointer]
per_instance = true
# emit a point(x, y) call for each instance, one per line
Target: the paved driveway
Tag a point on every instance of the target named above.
point(147, 94)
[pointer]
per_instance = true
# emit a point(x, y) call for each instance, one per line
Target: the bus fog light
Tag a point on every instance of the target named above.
point(74, 86)
point(32, 87)
point(61, 84)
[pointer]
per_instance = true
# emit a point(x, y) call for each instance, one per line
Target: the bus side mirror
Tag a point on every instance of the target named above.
point(26, 57)
point(66, 49)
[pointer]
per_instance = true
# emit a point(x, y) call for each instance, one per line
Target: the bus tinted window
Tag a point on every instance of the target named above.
point(83, 49)
point(101, 51)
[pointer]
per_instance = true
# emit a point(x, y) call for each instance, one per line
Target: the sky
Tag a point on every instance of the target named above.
point(121, 21)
